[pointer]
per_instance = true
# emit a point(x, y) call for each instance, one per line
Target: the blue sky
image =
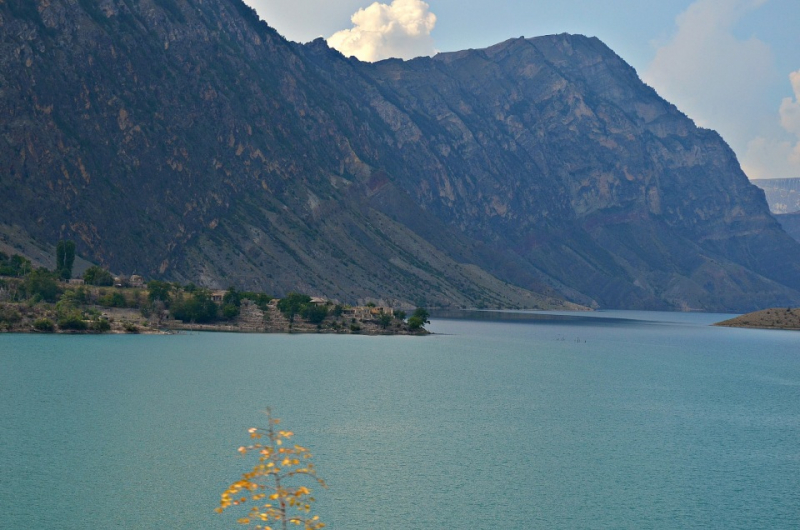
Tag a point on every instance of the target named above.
point(728, 64)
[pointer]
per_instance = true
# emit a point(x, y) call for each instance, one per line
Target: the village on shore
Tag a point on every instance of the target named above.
point(37, 300)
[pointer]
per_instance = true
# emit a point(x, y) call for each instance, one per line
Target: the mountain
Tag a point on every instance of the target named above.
point(188, 140)
point(783, 195)
point(790, 222)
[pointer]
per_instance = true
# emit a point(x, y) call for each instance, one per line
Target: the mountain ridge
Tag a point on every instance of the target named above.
point(190, 141)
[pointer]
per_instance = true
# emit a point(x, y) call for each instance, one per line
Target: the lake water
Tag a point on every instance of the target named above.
point(612, 420)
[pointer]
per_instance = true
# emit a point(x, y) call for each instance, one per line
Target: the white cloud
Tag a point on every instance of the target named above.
point(714, 77)
point(400, 29)
point(778, 156)
point(790, 110)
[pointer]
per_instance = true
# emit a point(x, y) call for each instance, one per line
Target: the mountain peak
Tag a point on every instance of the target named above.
point(189, 141)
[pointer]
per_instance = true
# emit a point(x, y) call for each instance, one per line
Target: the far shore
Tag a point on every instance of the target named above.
point(252, 319)
point(784, 318)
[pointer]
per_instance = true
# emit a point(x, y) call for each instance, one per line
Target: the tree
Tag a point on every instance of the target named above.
point(230, 311)
point(260, 299)
point(41, 284)
point(60, 253)
point(98, 276)
point(291, 304)
point(16, 265)
point(65, 258)
point(232, 297)
point(423, 314)
point(195, 308)
point(315, 314)
point(271, 484)
point(44, 324)
point(415, 323)
point(69, 259)
point(113, 299)
point(159, 291)
point(384, 319)
point(231, 303)
point(69, 316)
point(419, 318)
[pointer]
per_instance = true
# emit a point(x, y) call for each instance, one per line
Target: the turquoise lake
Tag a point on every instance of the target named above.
point(612, 419)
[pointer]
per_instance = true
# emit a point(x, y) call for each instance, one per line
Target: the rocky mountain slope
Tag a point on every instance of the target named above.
point(790, 222)
point(186, 139)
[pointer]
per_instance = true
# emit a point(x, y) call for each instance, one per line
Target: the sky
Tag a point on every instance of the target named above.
point(730, 65)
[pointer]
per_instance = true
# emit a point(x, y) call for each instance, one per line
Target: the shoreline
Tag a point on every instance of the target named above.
point(21, 318)
point(786, 319)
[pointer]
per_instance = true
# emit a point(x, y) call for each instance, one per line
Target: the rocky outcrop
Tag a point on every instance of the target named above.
point(188, 140)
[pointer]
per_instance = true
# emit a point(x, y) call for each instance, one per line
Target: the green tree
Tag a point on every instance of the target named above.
point(41, 284)
point(73, 322)
point(230, 311)
point(260, 299)
point(44, 325)
point(275, 484)
point(415, 323)
point(75, 297)
point(65, 258)
point(113, 299)
point(314, 313)
point(98, 276)
point(291, 304)
point(16, 265)
point(60, 253)
point(384, 319)
point(157, 290)
point(400, 315)
point(197, 307)
point(231, 303)
point(418, 319)
point(422, 314)
point(69, 316)
point(69, 259)
point(100, 325)
point(233, 297)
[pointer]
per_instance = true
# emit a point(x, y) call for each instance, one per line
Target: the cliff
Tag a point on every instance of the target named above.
point(188, 140)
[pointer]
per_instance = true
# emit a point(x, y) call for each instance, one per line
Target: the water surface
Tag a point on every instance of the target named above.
point(602, 420)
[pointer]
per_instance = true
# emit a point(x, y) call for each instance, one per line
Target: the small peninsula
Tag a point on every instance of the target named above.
point(38, 300)
point(775, 318)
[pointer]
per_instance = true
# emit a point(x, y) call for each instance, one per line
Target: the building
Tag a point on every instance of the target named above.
point(217, 296)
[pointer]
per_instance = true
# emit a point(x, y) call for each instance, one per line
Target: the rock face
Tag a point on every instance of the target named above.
point(188, 140)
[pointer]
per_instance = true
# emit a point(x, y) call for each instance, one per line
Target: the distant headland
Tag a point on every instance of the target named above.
point(775, 318)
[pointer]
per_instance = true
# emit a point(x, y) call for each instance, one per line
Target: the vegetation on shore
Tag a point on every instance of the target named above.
point(44, 301)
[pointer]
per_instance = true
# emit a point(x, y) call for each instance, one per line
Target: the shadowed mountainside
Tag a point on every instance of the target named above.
point(188, 140)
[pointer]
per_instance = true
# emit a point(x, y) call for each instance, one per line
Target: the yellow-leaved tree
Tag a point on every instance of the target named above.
point(272, 485)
